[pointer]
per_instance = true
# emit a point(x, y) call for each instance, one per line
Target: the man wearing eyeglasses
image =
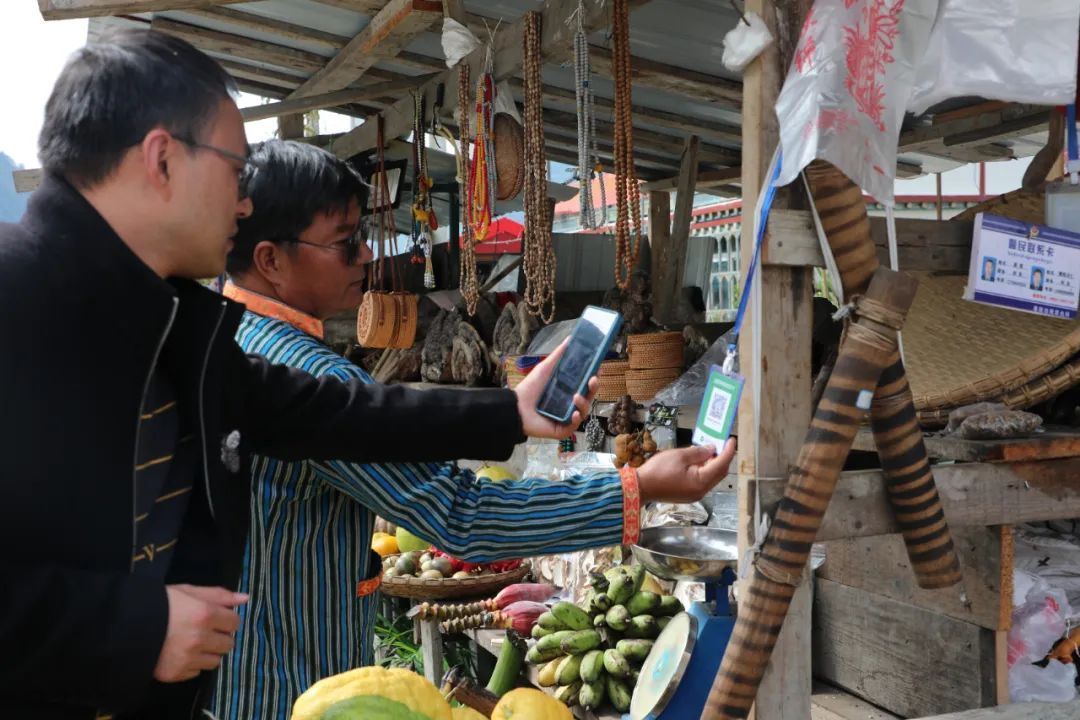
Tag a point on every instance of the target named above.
point(309, 568)
point(127, 411)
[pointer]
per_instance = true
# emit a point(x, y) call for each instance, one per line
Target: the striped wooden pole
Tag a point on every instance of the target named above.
point(897, 435)
point(868, 344)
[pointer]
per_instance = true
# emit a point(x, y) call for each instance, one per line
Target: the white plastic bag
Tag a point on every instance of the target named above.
point(504, 101)
point(745, 42)
point(457, 41)
point(1036, 626)
point(1012, 50)
point(1054, 683)
point(845, 94)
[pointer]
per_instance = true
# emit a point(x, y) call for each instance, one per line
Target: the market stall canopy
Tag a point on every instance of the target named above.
point(362, 57)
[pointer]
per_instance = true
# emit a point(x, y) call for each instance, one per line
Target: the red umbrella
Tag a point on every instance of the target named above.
point(504, 236)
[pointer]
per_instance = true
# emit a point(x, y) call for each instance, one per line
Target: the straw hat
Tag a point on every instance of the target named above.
point(508, 138)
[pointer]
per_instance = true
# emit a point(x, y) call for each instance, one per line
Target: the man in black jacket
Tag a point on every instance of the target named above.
point(127, 408)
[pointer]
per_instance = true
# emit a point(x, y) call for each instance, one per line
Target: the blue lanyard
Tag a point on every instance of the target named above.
point(744, 297)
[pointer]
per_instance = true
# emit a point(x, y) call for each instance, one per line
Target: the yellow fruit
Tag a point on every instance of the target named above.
point(494, 473)
point(407, 542)
point(395, 684)
point(650, 583)
point(385, 545)
point(529, 704)
point(466, 713)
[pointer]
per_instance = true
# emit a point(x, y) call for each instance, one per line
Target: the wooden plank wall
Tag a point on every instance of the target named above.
point(911, 661)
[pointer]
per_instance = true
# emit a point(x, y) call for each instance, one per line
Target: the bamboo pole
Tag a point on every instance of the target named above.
point(897, 435)
point(868, 344)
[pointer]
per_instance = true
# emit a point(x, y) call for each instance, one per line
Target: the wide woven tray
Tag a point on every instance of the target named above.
point(613, 367)
point(958, 352)
point(655, 350)
point(476, 586)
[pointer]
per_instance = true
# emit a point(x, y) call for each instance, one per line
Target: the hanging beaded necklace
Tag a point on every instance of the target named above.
point(627, 192)
point(467, 280)
point(538, 255)
point(589, 165)
point(482, 171)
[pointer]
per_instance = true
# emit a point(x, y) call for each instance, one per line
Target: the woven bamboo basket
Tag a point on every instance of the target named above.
point(959, 352)
point(642, 385)
point(655, 350)
point(613, 368)
point(446, 588)
point(376, 320)
point(405, 328)
point(612, 379)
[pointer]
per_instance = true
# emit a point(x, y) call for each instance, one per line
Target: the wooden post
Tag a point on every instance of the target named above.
point(669, 258)
point(291, 127)
point(431, 648)
point(778, 362)
point(659, 238)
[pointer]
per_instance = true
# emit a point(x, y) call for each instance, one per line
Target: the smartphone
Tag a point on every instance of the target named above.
point(589, 343)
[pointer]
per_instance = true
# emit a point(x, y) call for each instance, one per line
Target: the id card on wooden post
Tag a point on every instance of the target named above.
point(718, 408)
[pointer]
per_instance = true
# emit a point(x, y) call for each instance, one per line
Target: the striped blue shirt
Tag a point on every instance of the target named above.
point(310, 539)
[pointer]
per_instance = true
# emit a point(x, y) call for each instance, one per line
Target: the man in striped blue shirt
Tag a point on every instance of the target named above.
point(309, 569)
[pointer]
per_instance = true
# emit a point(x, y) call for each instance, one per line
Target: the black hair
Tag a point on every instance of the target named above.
point(114, 91)
point(288, 183)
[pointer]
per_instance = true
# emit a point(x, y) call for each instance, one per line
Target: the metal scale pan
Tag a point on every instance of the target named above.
point(699, 554)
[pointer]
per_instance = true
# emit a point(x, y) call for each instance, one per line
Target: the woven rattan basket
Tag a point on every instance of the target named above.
point(643, 385)
point(655, 350)
point(405, 328)
point(471, 587)
point(375, 321)
point(959, 352)
point(612, 378)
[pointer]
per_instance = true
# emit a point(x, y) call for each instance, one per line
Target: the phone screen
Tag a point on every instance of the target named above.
point(588, 344)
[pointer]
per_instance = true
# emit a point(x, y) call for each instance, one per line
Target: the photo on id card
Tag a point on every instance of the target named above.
point(719, 407)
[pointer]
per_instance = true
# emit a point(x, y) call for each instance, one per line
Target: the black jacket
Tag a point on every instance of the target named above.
point(82, 320)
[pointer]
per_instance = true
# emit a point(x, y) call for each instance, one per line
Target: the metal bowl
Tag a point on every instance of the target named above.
point(687, 553)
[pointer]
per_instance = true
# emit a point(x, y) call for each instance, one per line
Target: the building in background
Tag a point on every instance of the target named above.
point(716, 225)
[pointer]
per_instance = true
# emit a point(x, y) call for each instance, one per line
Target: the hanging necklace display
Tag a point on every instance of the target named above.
point(627, 192)
point(467, 281)
point(588, 158)
point(594, 432)
point(538, 256)
point(385, 319)
point(424, 222)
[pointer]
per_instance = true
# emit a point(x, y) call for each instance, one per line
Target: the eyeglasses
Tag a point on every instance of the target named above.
point(350, 248)
point(247, 166)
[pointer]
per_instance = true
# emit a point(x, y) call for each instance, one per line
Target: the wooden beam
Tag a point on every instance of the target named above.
point(243, 71)
point(969, 139)
point(830, 703)
point(270, 26)
point(392, 28)
point(905, 659)
point(68, 9)
point(923, 244)
point(340, 97)
point(260, 89)
point(1018, 711)
point(705, 179)
point(555, 40)
point(27, 180)
point(655, 141)
point(365, 7)
point(880, 565)
point(971, 494)
point(673, 79)
point(706, 129)
point(213, 41)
